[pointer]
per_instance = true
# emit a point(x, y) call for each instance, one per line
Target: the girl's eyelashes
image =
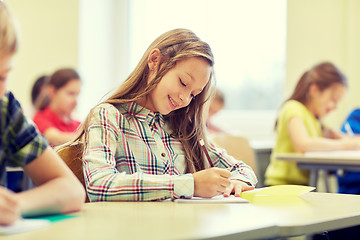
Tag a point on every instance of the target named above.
point(182, 83)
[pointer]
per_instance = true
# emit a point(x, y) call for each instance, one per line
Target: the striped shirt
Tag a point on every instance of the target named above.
point(131, 156)
point(20, 141)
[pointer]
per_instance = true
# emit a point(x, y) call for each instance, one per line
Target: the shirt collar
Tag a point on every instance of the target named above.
point(143, 114)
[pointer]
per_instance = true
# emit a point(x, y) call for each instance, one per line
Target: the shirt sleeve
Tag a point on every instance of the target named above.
point(108, 148)
point(23, 141)
point(239, 170)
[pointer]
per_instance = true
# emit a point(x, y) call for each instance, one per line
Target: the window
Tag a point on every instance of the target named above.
point(248, 39)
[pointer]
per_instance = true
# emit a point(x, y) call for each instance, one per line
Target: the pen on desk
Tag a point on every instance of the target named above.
point(202, 144)
point(348, 129)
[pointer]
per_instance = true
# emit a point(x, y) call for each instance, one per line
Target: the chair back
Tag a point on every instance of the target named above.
point(238, 147)
point(72, 156)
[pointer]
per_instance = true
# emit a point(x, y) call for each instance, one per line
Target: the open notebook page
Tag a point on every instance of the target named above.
point(216, 199)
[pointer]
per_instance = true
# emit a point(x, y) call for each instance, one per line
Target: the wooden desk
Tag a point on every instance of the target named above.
point(329, 161)
point(313, 212)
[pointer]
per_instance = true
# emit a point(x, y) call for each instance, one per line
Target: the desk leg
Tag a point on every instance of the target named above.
point(326, 179)
point(313, 177)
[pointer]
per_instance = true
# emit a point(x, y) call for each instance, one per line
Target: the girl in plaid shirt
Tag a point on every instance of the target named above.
point(142, 143)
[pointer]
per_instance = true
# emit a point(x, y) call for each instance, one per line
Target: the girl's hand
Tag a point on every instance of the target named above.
point(236, 187)
point(351, 143)
point(9, 207)
point(211, 182)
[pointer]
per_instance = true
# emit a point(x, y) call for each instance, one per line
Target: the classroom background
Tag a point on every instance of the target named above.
point(103, 39)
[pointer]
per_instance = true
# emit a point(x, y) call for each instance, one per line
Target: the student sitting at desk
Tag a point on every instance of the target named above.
point(54, 118)
point(21, 145)
point(299, 127)
point(143, 142)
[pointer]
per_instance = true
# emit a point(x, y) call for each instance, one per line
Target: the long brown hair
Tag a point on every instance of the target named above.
point(324, 75)
point(187, 124)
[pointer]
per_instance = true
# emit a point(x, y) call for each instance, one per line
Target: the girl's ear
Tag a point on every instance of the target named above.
point(51, 91)
point(154, 59)
point(314, 90)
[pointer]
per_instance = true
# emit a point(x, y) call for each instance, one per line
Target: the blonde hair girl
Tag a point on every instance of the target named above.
point(168, 88)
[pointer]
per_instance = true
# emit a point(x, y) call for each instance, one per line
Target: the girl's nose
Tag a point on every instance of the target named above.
point(185, 98)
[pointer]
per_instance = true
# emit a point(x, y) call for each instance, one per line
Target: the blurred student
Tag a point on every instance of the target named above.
point(349, 181)
point(299, 127)
point(21, 145)
point(144, 142)
point(217, 103)
point(54, 119)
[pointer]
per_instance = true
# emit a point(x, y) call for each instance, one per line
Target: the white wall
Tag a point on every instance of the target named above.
point(319, 30)
point(48, 40)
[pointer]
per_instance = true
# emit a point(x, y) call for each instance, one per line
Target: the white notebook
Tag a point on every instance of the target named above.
point(217, 199)
point(23, 225)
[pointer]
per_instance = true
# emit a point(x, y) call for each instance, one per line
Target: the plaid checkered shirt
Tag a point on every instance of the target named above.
point(131, 156)
point(20, 141)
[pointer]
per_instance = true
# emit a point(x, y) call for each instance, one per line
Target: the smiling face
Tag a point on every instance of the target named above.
point(323, 102)
point(179, 85)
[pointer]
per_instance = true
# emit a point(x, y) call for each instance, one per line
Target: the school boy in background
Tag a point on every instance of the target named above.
point(54, 117)
point(21, 145)
point(143, 142)
point(299, 128)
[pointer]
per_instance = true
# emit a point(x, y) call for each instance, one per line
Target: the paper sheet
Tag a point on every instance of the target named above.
point(23, 225)
point(217, 199)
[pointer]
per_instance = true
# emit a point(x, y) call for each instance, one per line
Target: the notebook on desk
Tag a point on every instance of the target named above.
point(23, 225)
point(216, 199)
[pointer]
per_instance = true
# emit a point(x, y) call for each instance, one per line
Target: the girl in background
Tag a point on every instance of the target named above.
point(299, 127)
point(143, 142)
point(54, 118)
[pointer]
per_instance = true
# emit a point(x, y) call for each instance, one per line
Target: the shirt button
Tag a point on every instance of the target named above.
point(163, 155)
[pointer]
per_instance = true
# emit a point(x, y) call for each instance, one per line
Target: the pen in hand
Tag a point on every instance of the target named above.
point(202, 144)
